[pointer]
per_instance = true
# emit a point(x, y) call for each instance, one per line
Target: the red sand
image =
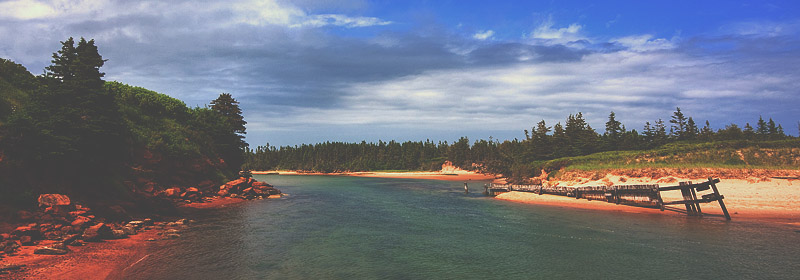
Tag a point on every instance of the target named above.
point(95, 260)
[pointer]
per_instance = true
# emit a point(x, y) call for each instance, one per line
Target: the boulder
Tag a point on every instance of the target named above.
point(48, 250)
point(10, 246)
point(28, 230)
point(66, 230)
point(172, 192)
point(261, 184)
point(135, 224)
point(26, 240)
point(53, 235)
point(238, 182)
point(69, 239)
point(51, 199)
point(80, 221)
point(97, 232)
point(77, 213)
point(172, 235)
point(129, 230)
point(118, 234)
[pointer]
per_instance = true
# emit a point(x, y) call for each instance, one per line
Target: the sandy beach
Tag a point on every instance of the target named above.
point(432, 175)
point(755, 199)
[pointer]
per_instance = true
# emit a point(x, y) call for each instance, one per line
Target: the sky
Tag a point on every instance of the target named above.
point(311, 71)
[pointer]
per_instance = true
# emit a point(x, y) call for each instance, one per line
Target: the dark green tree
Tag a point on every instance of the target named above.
point(678, 128)
point(691, 130)
point(613, 132)
point(748, 132)
point(230, 140)
point(707, 134)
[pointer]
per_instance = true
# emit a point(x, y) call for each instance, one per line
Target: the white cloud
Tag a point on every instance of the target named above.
point(483, 35)
point(25, 9)
point(261, 12)
point(637, 85)
point(641, 43)
point(548, 34)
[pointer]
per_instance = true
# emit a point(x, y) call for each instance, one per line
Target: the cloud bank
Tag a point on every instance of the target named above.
point(307, 76)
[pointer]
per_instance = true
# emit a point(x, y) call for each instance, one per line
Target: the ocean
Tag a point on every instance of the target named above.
point(332, 227)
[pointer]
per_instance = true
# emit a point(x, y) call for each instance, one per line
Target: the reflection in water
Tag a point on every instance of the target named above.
point(343, 227)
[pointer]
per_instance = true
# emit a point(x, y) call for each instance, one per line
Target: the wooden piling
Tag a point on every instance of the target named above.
point(720, 197)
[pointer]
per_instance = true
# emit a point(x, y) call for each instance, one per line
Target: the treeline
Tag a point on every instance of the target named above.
point(513, 158)
point(69, 131)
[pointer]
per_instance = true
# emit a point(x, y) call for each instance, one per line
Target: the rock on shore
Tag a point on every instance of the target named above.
point(247, 188)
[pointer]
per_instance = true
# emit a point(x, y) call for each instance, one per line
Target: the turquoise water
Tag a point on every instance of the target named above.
point(373, 228)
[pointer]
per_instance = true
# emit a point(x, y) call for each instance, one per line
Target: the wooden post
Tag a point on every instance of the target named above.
point(660, 200)
point(687, 196)
point(540, 189)
point(721, 204)
point(696, 204)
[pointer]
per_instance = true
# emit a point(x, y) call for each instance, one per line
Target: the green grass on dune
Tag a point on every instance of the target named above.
point(740, 154)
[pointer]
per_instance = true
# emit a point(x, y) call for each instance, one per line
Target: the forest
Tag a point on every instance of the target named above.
point(70, 131)
point(516, 159)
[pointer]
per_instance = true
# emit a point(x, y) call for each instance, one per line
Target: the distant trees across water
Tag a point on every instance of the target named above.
point(513, 158)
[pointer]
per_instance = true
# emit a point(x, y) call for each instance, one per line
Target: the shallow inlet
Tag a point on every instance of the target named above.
point(332, 227)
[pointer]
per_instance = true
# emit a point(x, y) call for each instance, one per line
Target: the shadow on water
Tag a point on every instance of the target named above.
point(366, 228)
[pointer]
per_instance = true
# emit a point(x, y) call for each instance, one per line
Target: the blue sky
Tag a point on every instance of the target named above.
point(310, 71)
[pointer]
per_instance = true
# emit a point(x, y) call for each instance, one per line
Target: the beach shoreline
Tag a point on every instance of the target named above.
point(752, 199)
point(107, 259)
point(457, 175)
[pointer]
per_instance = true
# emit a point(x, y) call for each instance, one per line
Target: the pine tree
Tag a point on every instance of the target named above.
point(660, 136)
point(772, 130)
point(748, 132)
point(691, 130)
point(707, 134)
point(678, 127)
point(613, 132)
point(761, 128)
point(230, 137)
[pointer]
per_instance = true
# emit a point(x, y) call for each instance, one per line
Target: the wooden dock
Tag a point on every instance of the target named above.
point(636, 195)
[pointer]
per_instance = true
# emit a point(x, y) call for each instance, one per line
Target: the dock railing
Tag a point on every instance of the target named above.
point(648, 195)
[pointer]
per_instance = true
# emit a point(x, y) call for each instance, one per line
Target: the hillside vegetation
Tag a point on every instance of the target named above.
point(733, 154)
point(69, 131)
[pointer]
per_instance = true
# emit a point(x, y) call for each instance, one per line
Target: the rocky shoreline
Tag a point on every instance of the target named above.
point(60, 225)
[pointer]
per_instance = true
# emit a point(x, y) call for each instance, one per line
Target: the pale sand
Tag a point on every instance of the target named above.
point(769, 200)
point(449, 176)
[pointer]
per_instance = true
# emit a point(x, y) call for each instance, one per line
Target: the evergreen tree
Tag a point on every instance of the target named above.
point(539, 144)
point(772, 130)
point(707, 134)
point(691, 130)
point(761, 128)
point(678, 128)
point(613, 132)
point(79, 114)
point(230, 136)
point(660, 137)
point(748, 132)
point(560, 141)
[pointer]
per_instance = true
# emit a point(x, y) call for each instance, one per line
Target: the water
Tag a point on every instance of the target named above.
point(374, 228)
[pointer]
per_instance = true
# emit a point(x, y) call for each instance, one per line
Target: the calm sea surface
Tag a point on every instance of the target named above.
point(373, 228)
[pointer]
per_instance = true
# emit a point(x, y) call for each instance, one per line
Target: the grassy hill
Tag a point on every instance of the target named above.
point(738, 154)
